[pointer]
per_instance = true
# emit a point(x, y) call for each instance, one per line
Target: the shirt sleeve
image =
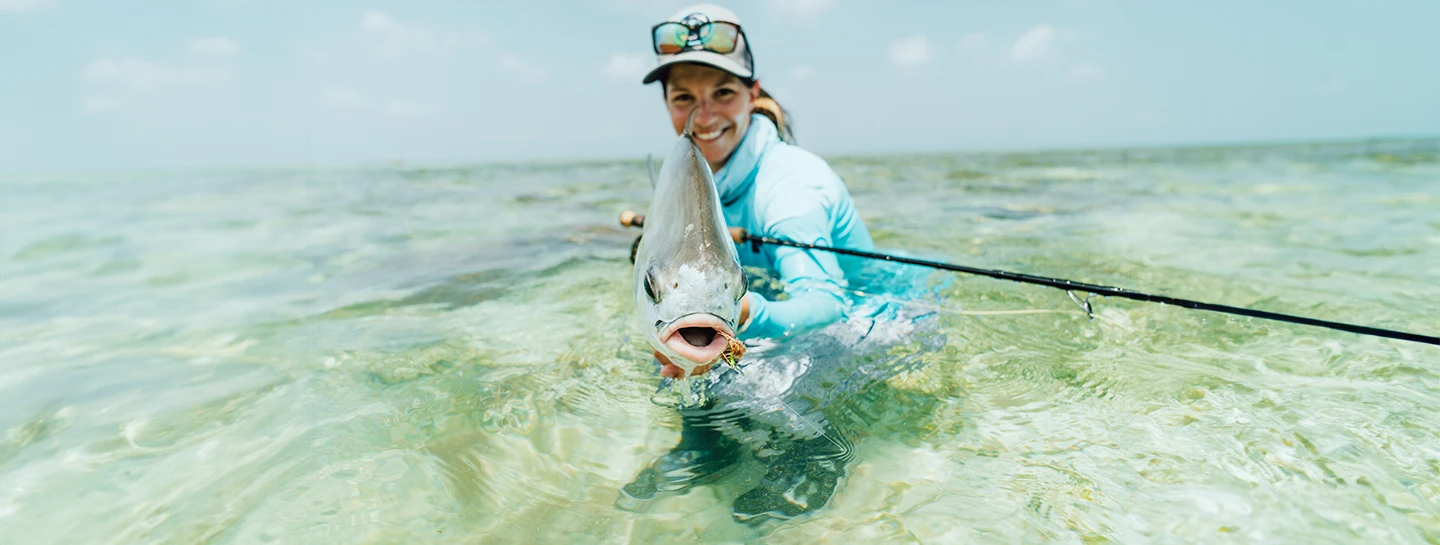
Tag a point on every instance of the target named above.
point(813, 280)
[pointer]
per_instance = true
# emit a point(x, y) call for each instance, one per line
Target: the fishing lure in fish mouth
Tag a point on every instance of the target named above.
point(734, 350)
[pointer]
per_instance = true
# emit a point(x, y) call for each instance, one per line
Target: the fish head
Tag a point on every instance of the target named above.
point(689, 310)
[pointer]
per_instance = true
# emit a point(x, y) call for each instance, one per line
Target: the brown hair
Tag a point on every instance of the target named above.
point(767, 106)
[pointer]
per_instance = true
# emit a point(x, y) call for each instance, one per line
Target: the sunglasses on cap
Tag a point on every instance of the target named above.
point(716, 36)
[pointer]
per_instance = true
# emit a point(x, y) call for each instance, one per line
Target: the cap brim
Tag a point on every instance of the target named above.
point(709, 58)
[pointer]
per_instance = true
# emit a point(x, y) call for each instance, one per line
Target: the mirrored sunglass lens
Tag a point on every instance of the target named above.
point(670, 38)
point(719, 37)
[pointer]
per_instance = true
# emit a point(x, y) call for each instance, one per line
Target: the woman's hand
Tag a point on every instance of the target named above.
point(670, 370)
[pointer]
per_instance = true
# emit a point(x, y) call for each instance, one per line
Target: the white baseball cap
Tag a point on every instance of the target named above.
point(737, 62)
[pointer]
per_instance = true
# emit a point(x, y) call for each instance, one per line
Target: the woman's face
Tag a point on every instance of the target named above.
point(725, 104)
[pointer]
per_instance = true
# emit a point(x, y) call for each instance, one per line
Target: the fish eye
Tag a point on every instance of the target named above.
point(650, 288)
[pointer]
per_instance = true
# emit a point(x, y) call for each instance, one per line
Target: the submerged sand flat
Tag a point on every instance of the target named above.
point(446, 355)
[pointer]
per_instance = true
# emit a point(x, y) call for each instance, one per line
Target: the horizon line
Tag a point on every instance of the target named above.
point(401, 163)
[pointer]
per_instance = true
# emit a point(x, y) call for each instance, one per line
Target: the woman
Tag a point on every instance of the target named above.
point(769, 187)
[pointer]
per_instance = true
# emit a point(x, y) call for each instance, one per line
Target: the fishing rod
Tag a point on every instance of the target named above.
point(741, 236)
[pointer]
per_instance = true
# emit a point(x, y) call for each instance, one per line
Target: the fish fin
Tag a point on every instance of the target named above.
point(650, 169)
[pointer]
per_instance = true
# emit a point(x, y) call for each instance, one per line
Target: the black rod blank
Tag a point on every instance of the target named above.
point(1108, 291)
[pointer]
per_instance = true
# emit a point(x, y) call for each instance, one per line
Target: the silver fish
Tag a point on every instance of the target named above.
point(688, 280)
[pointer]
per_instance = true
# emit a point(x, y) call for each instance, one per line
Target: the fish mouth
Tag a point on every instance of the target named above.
point(700, 338)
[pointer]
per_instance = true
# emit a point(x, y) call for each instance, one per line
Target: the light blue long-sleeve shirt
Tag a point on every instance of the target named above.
point(776, 189)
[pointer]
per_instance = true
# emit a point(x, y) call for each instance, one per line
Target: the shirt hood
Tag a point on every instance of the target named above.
point(738, 175)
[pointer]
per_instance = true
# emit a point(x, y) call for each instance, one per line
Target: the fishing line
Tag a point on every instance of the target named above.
point(740, 235)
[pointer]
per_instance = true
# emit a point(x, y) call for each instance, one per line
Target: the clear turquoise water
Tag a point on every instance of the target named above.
point(447, 355)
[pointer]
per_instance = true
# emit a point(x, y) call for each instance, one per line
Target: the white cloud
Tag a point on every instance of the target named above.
point(345, 98)
point(801, 73)
point(803, 9)
point(99, 104)
point(143, 75)
point(214, 46)
point(406, 109)
point(629, 66)
point(524, 69)
point(911, 52)
point(395, 38)
point(115, 82)
point(1087, 71)
point(350, 101)
point(24, 5)
point(382, 23)
point(973, 42)
point(1034, 44)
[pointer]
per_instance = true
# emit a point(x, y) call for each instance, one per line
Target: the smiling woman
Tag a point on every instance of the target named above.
point(728, 101)
point(770, 187)
point(767, 184)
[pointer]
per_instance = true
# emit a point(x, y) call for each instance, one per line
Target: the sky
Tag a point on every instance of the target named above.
point(87, 85)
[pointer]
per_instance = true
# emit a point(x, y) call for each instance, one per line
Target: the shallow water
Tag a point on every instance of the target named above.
point(447, 355)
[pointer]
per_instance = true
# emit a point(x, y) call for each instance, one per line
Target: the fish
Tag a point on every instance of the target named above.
point(688, 278)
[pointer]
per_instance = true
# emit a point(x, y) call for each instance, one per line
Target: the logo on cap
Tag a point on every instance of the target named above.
point(694, 20)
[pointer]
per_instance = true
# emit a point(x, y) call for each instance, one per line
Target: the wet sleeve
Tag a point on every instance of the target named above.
point(813, 280)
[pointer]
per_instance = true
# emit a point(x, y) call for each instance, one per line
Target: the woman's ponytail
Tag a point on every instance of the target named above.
point(767, 106)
